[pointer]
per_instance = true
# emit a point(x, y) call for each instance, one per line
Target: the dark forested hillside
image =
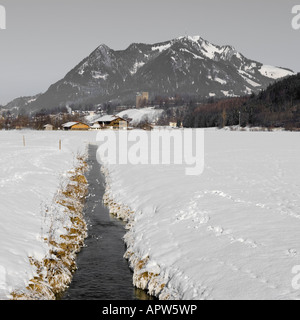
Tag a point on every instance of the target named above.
point(277, 106)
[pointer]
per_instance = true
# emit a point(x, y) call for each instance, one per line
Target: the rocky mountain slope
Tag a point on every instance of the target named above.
point(185, 65)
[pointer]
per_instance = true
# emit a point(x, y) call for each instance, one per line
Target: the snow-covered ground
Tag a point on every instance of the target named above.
point(138, 115)
point(29, 178)
point(275, 72)
point(231, 233)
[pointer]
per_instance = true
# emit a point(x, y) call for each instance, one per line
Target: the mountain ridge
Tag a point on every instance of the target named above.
point(186, 65)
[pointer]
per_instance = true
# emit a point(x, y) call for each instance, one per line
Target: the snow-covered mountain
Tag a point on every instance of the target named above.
point(185, 65)
point(19, 103)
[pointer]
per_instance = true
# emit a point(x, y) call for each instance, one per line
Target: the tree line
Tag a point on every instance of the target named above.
point(36, 122)
point(276, 106)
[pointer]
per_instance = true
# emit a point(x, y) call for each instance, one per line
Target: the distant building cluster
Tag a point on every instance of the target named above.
point(98, 117)
point(105, 122)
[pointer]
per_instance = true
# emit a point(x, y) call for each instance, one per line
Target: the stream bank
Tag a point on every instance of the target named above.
point(102, 272)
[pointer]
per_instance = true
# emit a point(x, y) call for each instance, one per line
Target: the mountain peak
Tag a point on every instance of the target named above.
point(103, 48)
point(190, 38)
point(187, 65)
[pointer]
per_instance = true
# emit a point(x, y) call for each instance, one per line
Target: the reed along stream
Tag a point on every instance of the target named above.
point(103, 273)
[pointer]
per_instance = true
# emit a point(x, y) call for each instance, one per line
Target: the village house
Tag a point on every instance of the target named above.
point(147, 126)
point(48, 127)
point(173, 124)
point(75, 126)
point(110, 122)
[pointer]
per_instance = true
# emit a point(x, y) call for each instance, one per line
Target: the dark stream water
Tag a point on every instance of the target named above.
point(103, 273)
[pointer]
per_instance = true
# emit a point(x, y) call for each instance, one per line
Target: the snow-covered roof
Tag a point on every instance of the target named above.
point(106, 118)
point(96, 126)
point(69, 124)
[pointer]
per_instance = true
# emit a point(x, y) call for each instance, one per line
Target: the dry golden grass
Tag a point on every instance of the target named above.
point(54, 272)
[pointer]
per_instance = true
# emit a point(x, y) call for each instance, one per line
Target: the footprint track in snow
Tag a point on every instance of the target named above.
point(237, 200)
point(247, 272)
point(291, 253)
point(194, 213)
point(219, 231)
point(201, 217)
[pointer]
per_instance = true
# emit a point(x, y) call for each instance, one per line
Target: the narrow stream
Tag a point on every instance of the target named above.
point(103, 273)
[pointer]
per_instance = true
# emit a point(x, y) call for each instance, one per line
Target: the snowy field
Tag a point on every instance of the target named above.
point(232, 232)
point(30, 176)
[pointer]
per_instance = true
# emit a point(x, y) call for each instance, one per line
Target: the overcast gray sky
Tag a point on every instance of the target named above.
point(45, 39)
